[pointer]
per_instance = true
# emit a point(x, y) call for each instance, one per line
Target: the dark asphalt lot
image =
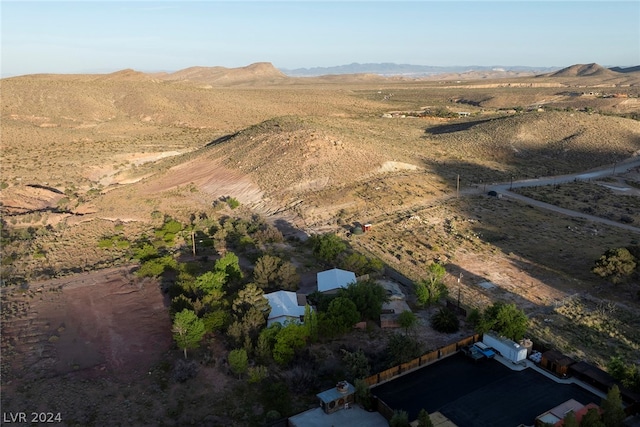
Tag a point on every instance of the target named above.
point(482, 394)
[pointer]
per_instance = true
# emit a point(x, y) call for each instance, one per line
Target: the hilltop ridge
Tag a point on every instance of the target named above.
point(583, 70)
point(257, 72)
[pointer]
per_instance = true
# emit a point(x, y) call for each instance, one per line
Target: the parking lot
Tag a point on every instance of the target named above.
point(479, 394)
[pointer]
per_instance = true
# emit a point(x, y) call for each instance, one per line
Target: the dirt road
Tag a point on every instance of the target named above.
point(621, 167)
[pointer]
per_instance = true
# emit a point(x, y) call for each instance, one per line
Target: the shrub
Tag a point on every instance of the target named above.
point(105, 242)
point(399, 419)
point(402, 348)
point(185, 370)
point(257, 374)
point(445, 321)
point(232, 202)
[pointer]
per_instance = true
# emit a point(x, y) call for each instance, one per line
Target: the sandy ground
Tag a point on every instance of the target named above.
point(100, 323)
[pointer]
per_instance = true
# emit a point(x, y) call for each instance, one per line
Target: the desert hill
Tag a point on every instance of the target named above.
point(81, 133)
point(583, 70)
point(543, 143)
point(261, 72)
point(288, 160)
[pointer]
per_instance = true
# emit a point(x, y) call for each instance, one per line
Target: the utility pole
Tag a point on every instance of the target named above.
point(193, 242)
point(458, 186)
point(459, 278)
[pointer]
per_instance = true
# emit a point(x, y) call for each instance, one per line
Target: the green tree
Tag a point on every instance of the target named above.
point(445, 321)
point(368, 296)
point(505, 319)
point(311, 322)
point(290, 338)
point(246, 329)
point(570, 420)
point(230, 264)
point(212, 283)
point(592, 419)
point(408, 320)
point(327, 246)
point(357, 364)
point(266, 341)
point(250, 296)
point(474, 318)
point(265, 273)
point(363, 394)
point(257, 374)
point(188, 330)
point(180, 303)
point(342, 315)
point(355, 262)
point(424, 420)
point(402, 348)
point(155, 267)
point(628, 375)
point(612, 409)
point(616, 264)
point(288, 276)
point(616, 367)
point(431, 289)
point(215, 320)
point(239, 361)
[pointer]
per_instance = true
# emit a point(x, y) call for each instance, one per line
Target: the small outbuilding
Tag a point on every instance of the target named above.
point(339, 397)
point(556, 362)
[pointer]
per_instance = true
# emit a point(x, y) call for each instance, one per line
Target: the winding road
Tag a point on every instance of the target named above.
point(620, 167)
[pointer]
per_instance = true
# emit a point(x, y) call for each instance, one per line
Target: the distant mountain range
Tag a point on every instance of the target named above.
point(391, 69)
point(409, 70)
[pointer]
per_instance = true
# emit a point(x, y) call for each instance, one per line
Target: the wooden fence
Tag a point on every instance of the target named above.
point(412, 365)
point(384, 409)
point(418, 362)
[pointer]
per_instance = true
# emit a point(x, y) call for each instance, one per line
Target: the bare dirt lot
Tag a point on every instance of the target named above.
point(103, 323)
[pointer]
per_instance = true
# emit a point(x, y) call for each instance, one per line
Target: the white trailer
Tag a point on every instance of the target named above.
point(505, 347)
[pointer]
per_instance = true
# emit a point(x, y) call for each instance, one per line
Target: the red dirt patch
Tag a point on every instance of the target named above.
point(100, 323)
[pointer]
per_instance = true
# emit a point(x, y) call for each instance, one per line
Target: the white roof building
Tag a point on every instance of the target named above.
point(334, 279)
point(285, 305)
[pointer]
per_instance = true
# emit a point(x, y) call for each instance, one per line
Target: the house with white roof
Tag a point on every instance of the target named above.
point(285, 306)
point(330, 281)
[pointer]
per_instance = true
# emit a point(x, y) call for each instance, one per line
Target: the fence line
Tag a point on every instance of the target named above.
point(384, 409)
point(425, 359)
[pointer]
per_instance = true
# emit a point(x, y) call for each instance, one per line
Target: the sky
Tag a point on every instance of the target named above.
point(106, 36)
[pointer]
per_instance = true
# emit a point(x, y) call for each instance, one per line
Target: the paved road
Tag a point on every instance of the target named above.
point(621, 167)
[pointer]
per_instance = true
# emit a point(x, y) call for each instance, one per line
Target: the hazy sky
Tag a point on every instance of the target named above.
point(105, 36)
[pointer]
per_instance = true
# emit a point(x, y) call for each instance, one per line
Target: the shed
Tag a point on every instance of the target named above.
point(331, 280)
point(285, 306)
point(592, 375)
point(336, 398)
point(601, 380)
point(556, 362)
